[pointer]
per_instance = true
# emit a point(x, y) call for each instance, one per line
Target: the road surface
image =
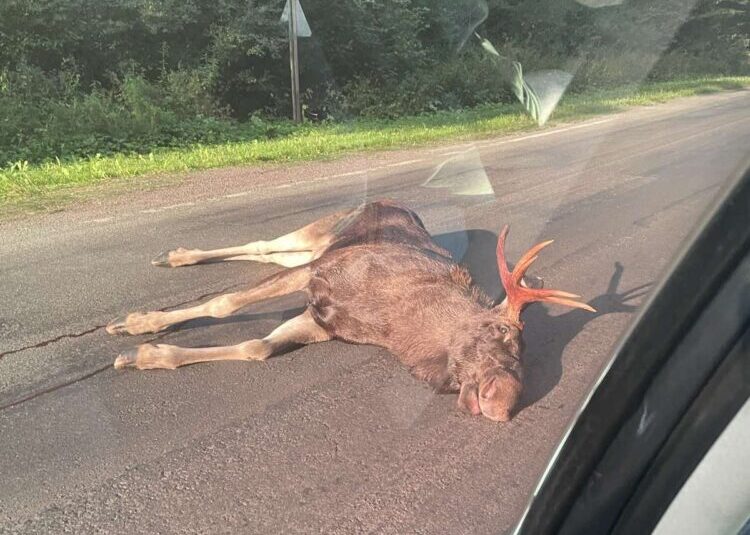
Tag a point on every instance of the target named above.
point(330, 438)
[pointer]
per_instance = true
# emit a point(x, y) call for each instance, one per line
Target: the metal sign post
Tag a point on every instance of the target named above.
point(294, 61)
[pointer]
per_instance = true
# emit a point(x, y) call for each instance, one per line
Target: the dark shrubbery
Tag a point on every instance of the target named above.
point(42, 117)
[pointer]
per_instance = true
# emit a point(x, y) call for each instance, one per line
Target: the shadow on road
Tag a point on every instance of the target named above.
point(282, 315)
point(475, 249)
point(547, 336)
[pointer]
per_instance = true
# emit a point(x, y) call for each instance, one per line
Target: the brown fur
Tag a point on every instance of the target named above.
point(387, 283)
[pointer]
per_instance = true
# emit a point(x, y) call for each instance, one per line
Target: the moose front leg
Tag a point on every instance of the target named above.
point(299, 330)
point(286, 282)
point(294, 249)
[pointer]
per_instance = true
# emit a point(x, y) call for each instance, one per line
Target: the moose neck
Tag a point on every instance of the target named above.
point(440, 349)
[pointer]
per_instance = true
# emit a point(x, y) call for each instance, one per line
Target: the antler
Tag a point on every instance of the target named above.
point(518, 296)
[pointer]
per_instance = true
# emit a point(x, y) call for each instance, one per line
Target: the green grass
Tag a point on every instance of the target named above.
point(22, 183)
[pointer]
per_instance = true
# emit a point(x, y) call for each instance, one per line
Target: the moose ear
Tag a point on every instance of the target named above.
point(468, 399)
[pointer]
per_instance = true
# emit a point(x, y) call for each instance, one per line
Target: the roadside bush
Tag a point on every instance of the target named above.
point(607, 69)
point(461, 81)
point(46, 118)
point(682, 63)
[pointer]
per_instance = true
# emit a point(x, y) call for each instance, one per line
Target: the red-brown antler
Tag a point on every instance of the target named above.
point(517, 296)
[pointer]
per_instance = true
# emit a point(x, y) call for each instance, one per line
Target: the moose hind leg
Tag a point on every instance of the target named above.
point(301, 329)
point(296, 248)
point(283, 283)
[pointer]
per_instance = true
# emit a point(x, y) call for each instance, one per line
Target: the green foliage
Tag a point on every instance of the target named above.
point(86, 77)
point(22, 182)
point(43, 118)
point(461, 82)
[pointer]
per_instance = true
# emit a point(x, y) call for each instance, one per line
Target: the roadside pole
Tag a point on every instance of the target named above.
point(294, 61)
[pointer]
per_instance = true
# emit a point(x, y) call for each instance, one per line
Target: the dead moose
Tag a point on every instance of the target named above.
point(373, 275)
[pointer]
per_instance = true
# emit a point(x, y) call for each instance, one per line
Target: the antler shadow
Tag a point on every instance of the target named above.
point(547, 336)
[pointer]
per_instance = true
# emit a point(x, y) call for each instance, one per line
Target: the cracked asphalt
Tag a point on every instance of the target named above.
point(330, 438)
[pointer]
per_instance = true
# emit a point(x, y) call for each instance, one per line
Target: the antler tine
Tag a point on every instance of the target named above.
point(571, 303)
point(527, 259)
point(564, 298)
point(517, 296)
point(502, 265)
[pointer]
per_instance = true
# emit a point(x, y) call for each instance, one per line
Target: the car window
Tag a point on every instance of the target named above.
point(716, 497)
point(285, 265)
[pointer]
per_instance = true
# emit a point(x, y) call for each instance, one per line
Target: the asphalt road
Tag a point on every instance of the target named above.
point(330, 438)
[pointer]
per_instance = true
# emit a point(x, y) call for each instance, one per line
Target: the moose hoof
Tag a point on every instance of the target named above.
point(162, 260)
point(117, 326)
point(126, 358)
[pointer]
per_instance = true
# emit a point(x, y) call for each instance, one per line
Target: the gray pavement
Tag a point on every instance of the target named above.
point(330, 438)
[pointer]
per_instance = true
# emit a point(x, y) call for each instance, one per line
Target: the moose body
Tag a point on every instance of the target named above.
point(373, 275)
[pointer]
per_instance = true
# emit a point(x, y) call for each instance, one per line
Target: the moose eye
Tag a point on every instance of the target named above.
point(504, 330)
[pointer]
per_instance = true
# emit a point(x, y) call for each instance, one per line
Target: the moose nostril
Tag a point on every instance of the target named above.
point(488, 390)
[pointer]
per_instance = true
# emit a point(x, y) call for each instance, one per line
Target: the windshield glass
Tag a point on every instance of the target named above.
point(304, 200)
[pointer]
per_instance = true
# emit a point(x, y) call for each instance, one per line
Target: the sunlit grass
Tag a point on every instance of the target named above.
point(21, 183)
